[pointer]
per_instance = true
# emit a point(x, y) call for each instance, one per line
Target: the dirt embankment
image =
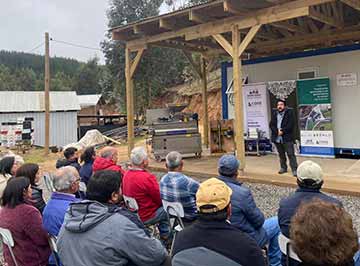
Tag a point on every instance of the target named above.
point(190, 93)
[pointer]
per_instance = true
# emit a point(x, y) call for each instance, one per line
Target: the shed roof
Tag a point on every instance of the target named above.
point(287, 26)
point(34, 101)
point(89, 100)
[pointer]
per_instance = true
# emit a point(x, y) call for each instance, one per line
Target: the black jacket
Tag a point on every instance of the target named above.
point(64, 162)
point(37, 199)
point(287, 125)
point(212, 243)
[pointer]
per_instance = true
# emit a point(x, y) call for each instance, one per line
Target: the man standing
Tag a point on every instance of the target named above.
point(282, 134)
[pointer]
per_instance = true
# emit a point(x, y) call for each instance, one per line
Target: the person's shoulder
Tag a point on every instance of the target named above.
point(27, 209)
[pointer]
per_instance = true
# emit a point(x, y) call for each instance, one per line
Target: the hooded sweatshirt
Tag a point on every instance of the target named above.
point(106, 164)
point(97, 234)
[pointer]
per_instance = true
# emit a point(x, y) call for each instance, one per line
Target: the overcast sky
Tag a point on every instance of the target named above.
point(83, 22)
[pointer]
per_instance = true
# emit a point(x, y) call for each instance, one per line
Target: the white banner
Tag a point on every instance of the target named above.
point(317, 138)
point(255, 107)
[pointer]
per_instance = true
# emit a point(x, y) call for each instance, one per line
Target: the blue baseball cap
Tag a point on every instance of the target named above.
point(228, 165)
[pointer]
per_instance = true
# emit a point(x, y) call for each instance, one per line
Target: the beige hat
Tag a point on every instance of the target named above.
point(308, 170)
point(213, 192)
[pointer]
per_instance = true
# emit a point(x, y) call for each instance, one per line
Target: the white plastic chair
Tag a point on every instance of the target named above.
point(54, 249)
point(286, 249)
point(175, 210)
point(131, 203)
point(8, 240)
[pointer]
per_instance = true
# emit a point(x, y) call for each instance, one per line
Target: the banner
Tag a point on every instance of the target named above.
point(315, 116)
point(255, 107)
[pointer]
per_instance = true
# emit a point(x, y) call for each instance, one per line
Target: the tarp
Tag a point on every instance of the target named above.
point(91, 138)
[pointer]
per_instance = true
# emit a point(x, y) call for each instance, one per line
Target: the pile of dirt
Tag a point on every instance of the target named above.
point(190, 94)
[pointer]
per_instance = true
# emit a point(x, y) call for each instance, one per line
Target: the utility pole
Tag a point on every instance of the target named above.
point(47, 93)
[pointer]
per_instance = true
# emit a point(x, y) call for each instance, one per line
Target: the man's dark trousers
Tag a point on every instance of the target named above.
point(287, 148)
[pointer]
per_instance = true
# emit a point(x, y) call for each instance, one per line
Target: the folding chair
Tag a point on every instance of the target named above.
point(287, 250)
point(131, 203)
point(175, 212)
point(54, 249)
point(8, 240)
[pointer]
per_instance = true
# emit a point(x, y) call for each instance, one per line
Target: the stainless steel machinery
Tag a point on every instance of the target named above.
point(172, 130)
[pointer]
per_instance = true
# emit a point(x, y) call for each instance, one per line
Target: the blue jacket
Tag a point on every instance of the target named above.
point(54, 212)
point(245, 214)
point(86, 172)
point(288, 207)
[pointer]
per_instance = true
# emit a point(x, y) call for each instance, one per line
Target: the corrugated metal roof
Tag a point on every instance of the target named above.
point(89, 100)
point(33, 101)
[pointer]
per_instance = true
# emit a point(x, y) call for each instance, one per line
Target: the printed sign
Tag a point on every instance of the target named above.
point(315, 116)
point(346, 79)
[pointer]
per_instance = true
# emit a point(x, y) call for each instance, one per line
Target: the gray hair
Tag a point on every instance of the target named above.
point(64, 177)
point(173, 160)
point(138, 156)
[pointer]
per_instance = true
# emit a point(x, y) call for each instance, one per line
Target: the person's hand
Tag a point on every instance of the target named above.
point(280, 132)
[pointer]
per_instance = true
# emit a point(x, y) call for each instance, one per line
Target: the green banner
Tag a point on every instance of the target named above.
point(314, 91)
point(315, 117)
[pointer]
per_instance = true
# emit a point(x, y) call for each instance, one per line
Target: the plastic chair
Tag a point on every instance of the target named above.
point(54, 249)
point(286, 249)
point(8, 240)
point(131, 203)
point(176, 212)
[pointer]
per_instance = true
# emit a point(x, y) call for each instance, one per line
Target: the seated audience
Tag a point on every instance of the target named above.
point(32, 171)
point(310, 181)
point(107, 161)
point(25, 224)
point(8, 167)
point(141, 185)
point(177, 187)
point(212, 240)
point(86, 170)
point(245, 214)
point(99, 232)
point(71, 159)
point(66, 183)
point(323, 234)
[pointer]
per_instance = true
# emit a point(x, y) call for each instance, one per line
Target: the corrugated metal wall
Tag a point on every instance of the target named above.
point(63, 126)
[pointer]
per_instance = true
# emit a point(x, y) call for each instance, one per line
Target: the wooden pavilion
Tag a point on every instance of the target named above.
point(239, 29)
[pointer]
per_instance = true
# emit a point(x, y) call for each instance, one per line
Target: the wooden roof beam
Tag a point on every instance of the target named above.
point(289, 27)
point(332, 21)
point(224, 43)
point(233, 8)
point(166, 24)
point(352, 3)
point(196, 17)
point(293, 9)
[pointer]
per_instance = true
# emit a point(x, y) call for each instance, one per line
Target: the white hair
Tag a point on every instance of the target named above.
point(173, 159)
point(138, 156)
point(64, 177)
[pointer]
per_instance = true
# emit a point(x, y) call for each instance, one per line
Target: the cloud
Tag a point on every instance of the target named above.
point(83, 22)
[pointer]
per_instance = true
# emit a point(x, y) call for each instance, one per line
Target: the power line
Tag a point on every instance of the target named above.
point(76, 45)
point(36, 47)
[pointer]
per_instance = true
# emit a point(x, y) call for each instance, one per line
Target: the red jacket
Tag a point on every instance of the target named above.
point(106, 164)
point(143, 186)
point(31, 240)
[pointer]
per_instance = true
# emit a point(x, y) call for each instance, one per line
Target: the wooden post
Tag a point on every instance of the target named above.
point(130, 68)
point(47, 93)
point(129, 100)
point(238, 98)
point(205, 102)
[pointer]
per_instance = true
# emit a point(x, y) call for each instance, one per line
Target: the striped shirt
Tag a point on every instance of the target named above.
point(177, 187)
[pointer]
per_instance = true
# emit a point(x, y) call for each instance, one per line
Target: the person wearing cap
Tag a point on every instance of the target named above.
point(245, 214)
point(310, 181)
point(282, 127)
point(212, 240)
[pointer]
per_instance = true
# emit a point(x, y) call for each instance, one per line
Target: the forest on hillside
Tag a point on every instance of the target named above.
point(25, 72)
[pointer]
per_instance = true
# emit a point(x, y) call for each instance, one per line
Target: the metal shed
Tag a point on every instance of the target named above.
point(63, 114)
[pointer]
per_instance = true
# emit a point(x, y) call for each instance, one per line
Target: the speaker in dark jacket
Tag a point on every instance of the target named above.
point(287, 125)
